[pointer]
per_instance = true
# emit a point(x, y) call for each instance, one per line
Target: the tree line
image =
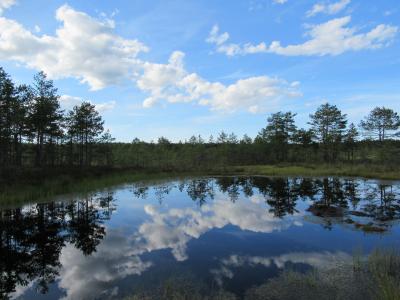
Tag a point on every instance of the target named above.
point(330, 139)
point(35, 131)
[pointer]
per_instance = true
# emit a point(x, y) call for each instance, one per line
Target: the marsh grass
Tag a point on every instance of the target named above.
point(375, 277)
point(384, 266)
point(362, 171)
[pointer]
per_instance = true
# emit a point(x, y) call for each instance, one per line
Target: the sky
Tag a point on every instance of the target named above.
point(187, 67)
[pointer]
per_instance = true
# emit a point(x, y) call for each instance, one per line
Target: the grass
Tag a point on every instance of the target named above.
point(375, 277)
point(363, 171)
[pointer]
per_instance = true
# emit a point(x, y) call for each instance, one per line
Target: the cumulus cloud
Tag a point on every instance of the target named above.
point(88, 49)
point(171, 82)
point(5, 4)
point(329, 9)
point(83, 48)
point(331, 38)
point(68, 102)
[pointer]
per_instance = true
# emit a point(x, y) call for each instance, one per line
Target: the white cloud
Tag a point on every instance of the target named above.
point(68, 102)
point(5, 4)
point(280, 1)
point(83, 47)
point(171, 82)
point(217, 38)
point(329, 9)
point(331, 38)
point(334, 38)
point(88, 49)
point(106, 106)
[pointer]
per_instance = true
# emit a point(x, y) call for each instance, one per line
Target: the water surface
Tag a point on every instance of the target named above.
point(227, 233)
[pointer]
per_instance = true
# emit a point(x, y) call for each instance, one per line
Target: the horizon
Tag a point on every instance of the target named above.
point(190, 68)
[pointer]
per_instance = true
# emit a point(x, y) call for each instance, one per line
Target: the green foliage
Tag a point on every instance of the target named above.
point(381, 122)
point(35, 132)
point(84, 125)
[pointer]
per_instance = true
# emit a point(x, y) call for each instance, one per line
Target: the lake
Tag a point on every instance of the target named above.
point(223, 233)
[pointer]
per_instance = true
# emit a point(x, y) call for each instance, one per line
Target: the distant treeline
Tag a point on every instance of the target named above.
point(329, 139)
point(35, 132)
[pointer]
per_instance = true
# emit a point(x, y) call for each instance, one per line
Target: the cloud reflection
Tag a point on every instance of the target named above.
point(320, 260)
point(83, 277)
point(174, 228)
point(119, 256)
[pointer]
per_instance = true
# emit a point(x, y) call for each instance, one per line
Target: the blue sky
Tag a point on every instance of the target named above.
point(177, 68)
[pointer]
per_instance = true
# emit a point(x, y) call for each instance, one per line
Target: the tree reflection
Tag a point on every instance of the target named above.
point(32, 237)
point(332, 200)
point(384, 203)
point(229, 186)
point(199, 190)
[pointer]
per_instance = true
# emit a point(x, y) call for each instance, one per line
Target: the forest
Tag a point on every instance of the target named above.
point(36, 134)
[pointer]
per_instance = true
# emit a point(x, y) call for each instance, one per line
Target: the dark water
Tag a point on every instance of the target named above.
point(229, 232)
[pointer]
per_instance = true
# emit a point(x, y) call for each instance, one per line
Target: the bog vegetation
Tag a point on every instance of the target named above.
point(36, 134)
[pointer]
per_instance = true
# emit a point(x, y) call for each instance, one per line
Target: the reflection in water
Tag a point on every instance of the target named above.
point(115, 258)
point(33, 236)
point(318, 260)
point(76, 246)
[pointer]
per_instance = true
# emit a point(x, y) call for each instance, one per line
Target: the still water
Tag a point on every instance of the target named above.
point(226, 233)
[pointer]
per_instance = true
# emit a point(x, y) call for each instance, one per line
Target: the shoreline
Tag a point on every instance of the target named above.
point(86, 180)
